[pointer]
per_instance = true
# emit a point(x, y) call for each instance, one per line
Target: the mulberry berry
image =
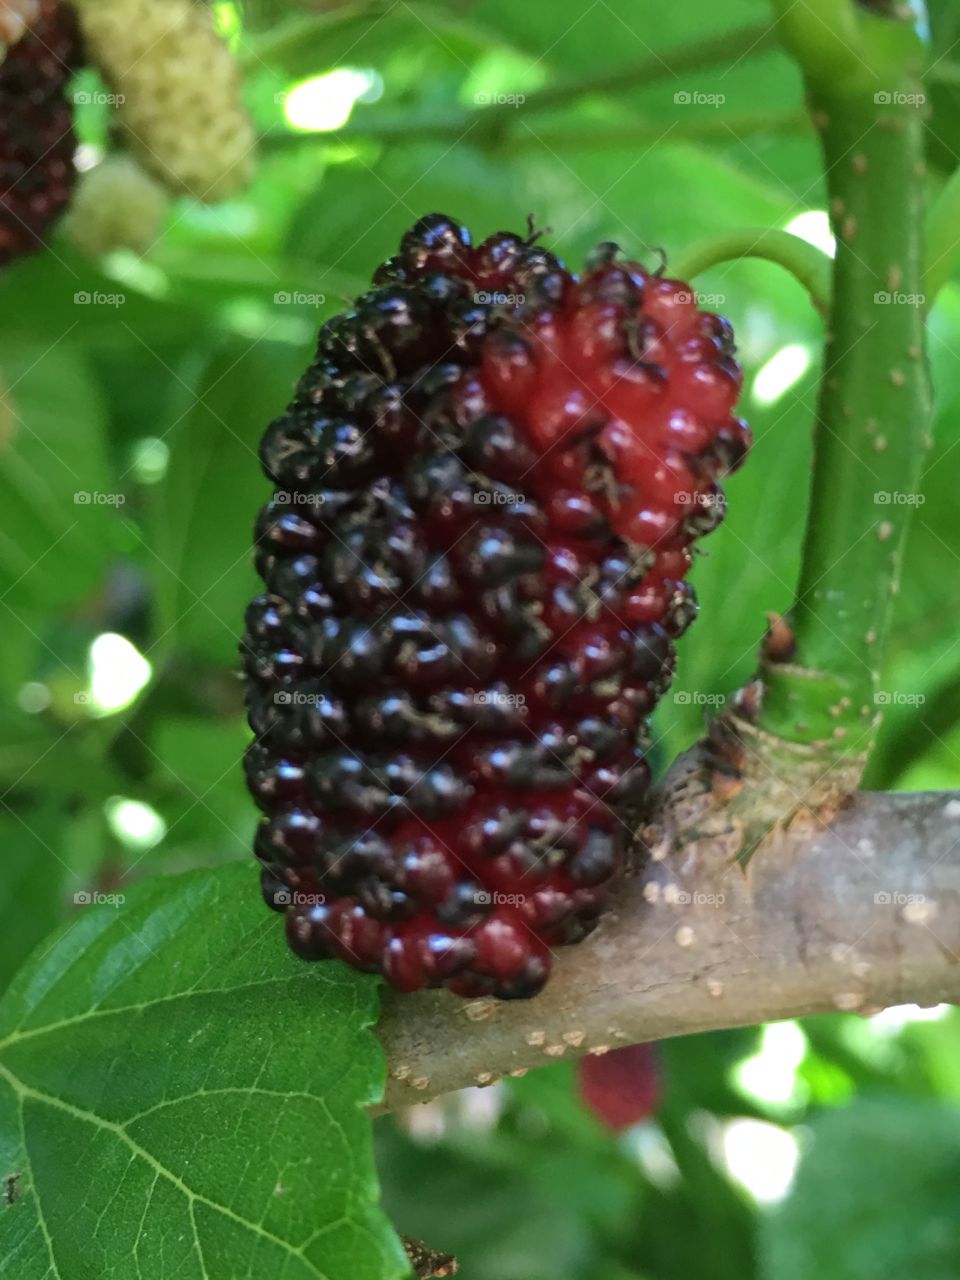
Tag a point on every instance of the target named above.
point(620, 1087)
point(37, 142)
point(487, 486)
point(117, 205)
point(16, 19)
point(179, 91)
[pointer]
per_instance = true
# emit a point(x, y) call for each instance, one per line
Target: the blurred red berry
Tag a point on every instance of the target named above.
point(621, 1087)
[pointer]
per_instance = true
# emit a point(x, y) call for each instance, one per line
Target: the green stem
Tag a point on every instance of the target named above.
point(637, 130)
point(808, 264)
point(496, 126)
point(290, 38)
point(824, 36)
point(873, 413)
point(719, 50)
point(943, 238)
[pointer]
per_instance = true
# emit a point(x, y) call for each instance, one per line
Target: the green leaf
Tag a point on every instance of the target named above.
point(211, 815)
point(176, 1087)
point(943, 85)
point(57, 494)
point(468, 1202)
point(627, 30)
point(66, 298)
point(34, 869)
point(876, 1195)
point(203, 513)
point(922, 671)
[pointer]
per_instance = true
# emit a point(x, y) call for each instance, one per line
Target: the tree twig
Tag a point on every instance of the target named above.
point(857, 915)
point(804, 729)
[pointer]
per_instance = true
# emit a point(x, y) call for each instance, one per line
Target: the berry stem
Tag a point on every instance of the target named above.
point(943, 240)
point(873, 414)
point(823, 36)
point(808, 264)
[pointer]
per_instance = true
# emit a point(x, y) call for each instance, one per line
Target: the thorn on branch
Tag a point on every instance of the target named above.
point(779, 643)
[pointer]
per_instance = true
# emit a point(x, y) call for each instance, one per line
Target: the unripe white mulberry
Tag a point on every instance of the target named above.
point(116, 205)
point(179, 90)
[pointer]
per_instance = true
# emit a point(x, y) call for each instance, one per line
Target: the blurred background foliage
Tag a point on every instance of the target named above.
point(129, 484)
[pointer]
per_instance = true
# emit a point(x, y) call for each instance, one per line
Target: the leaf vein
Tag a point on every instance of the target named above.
point(89, 1117)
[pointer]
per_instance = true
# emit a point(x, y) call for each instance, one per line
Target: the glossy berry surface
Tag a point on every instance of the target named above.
point(486, 490)
point(37, 142)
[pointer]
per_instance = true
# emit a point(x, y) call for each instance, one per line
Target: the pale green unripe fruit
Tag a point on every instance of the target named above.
point(116, 205)
point(178, 87)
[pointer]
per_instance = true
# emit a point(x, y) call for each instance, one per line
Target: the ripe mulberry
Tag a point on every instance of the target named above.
point(179, 91)
point(37, 142)
point(487, 486)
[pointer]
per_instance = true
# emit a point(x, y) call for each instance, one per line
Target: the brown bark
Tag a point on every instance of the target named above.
point(855, 914)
